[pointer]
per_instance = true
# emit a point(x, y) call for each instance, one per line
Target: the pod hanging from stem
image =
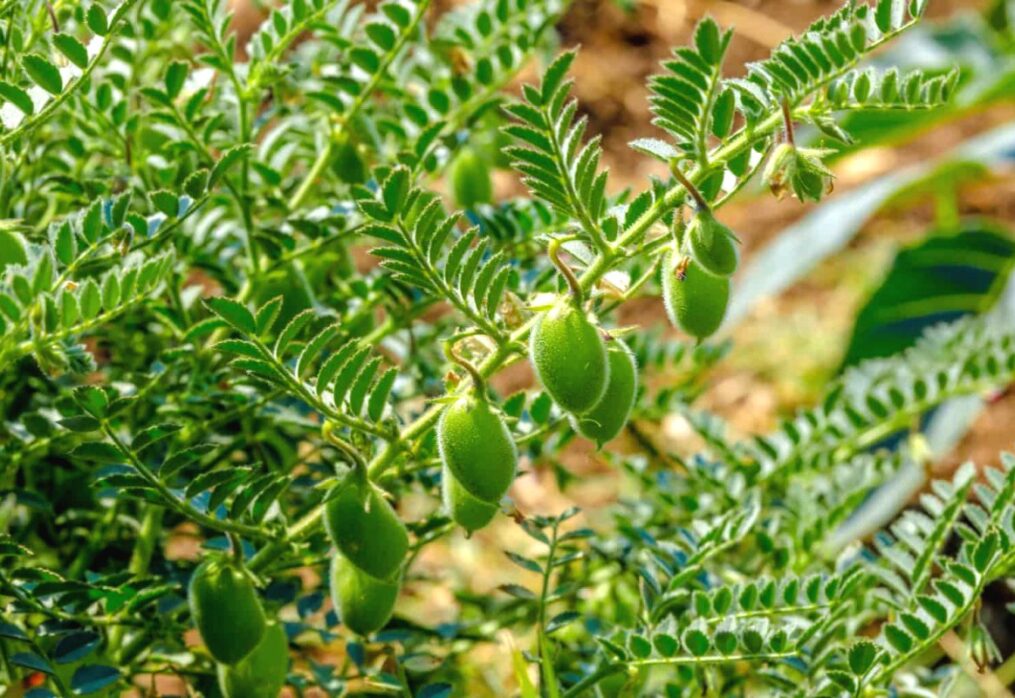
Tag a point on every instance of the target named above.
point(577, 294)
point(478, 382)
point(699, 199)
point(359, 465)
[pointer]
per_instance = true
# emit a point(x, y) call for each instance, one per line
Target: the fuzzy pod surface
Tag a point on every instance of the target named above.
point(476, 447)
point(366, 529)
point(226, 609)
point(697, 303)
point(608, 416)
point(364, 603)
point(465, 510)
point(569, 357)
point(261, 674)
point(713, 246)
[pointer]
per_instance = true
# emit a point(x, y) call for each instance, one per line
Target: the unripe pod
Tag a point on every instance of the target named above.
point(605, 420)
point(226, 609)
point(569, 357)
point(364, 603)
point(471, 183)
point(713, 245)
point(365, 528)
point(261, 674)
point(465, 510)
point(697, 303)
point(476, 447)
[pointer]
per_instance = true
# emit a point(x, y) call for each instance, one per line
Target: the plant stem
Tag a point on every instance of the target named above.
point(699, 200)
point(787, 120)
point(477, 378)
point(577, 293)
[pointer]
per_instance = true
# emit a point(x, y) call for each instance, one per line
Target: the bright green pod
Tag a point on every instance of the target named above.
point(364, 603)
point(226, 609)
point(476, 447)
point(713, 245)
point(605, 420)
point(465, 510)
point(261, 674)
point(470, 179)
point(697, 303)
point(569, 357)
point(366, 529)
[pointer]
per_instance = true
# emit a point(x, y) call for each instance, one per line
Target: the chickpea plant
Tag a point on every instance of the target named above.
point(194, 347)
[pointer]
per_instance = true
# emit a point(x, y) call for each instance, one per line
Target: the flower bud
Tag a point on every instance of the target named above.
point(800, 171)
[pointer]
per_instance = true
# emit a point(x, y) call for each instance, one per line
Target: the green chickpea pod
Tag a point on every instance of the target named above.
point(567, 350)
point(479, 456)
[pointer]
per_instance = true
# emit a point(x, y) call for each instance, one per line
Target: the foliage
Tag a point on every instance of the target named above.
point(194, 343)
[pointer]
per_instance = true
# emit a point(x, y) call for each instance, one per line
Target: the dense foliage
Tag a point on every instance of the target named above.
point(193, 344)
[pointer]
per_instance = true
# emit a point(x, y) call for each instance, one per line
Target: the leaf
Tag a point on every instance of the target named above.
point(92, 678)
point(228, 159)
point(43, 73)
point(945, 276)
point(524, 562)
point(517, 591)
point(18, 97)
point(176, 77)
point(72, 49)
point(166, 201)
point(75, 647)
point(96, 19)
point(696, 642)
point(11, 632)
point(30, 660)
point(561, 620)
point(234, 313)
point(99, 451)
point(708, 41)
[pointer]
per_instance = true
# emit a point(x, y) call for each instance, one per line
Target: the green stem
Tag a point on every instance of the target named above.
point(308, 183)
point(477, 378)
point(577, 292)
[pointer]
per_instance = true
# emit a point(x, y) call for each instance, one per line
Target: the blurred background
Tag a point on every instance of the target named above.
point(918, 230)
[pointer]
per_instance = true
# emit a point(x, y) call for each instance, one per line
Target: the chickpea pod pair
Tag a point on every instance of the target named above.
point(478, 455)
point(697, 269)
point(371, 544)
point(251, 653)
point(592, 378)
